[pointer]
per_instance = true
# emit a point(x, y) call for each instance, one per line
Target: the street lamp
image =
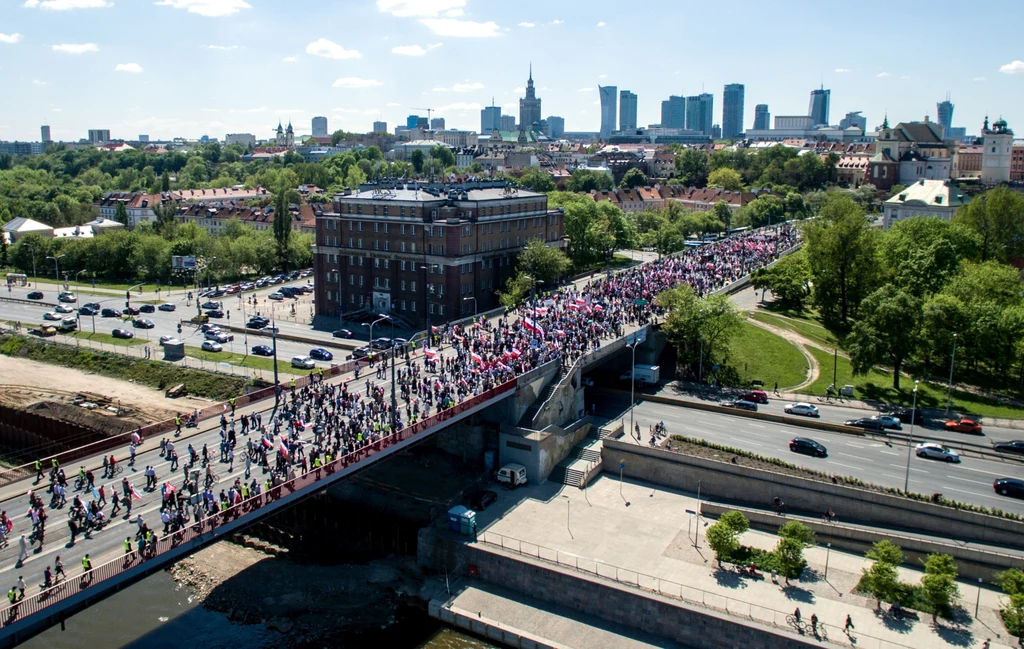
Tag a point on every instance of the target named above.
point(828, 551)
point(341, 295)
point(467, 299)
point(977, 602)
point(56, 268)
point(949, 386)
point(426, 299)
point(910, 442)
point(632, 385)
point(35, 283)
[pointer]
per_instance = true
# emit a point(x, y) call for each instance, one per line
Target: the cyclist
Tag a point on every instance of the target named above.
point(81, 478)
point(796, 613)
point(814, 623)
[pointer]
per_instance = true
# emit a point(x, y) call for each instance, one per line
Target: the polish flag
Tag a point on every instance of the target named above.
point(437, 385)
point(433, 329)
point(169, 488)
point(136, 439)
point(429, 353)
point(135, 494)
point(532, 326)
point(573, 307)
point(476, 357)
point(283, 448)
point(516, 353)
point(598, 307)
point(580, 301)
point(541, 310)
point(267, 443)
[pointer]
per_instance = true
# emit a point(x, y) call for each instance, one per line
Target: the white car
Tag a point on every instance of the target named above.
point(63, 308)
point(937, 451)
point(211, 346)
point(168, 339)
point(888, 421)
point(167, 306)
point(217, 335)
point(52, 316)
point(801, 408)
point(304, 362)
point(276, 296)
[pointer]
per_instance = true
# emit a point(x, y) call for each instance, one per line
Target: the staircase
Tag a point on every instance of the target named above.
point(526, 421)
point(583, 457)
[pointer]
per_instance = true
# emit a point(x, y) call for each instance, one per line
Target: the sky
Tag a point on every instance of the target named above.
point(186, 68)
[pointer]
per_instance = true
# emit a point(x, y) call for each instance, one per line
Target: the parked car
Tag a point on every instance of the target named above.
point(131, 310)
point(147, 308)
point(167, 306)
point(93, 305)
point(321, 354)
point(87, 310)
point(47, 330)
point(964, 425)
point(122, 333)
point(168, 339)
point(937, 451)
point(742, 404)
point(35, 295)
point(51, 315)
point(276, 296)
point(215, 313)
point(866, 423)
point(263, 350)
point(361, 352)
point(67, 297)
point(382, 343)
point(479, 500)
point(905, 415)
point(211, 346)
point(209, 305)
point(757, 396)
point(803, 409)
point(807, 446)
point(303, 362)
point(217, 336)
point(63, 308)
point(142, 323)
point(342, 333)
point(1009, 487)
point(888, 421)
point(110, 313)
point(1015, 446)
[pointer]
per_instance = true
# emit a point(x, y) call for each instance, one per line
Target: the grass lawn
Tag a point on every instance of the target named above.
point(107, 338)
point(809, 329)
point(876, 385)
point(759, 354)
point(241, 360)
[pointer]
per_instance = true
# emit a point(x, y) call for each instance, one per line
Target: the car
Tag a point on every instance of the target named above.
point(382, 343)
point(803, 409)
point(263, 350)
point(208, 327)
point(936, 451)
point(741, 404)
point(167, 306)
point(47, 330)
point(210, 305)
point(905, 415)
point(142, 323)
point(866, 423)
point(168, 339)
point(215, 313)
point(888, 421)
point(807, 446)
point(342, 333)
point(479, 500)
point(93, 305)
point(1009, 487)
point(67, 297)
point(122, 333)
point(321, 354)
point(289, 291)
point(147, 308)
point(246, 286)
point(757, 396)
point(88, 310)
point(35, 295)
point(217, 336)
point(257, 322)
point(211, 346)
point(110, 313)
point(63, 308)
point(400, 342)
point(964, 425)
point(131, 310)
point(52, 316)
point(276, 296)
point(303, 362)
point(1014, 446)
point(361, 352)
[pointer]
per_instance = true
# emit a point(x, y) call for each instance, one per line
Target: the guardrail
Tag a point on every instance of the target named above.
point(832, 634)
point(195, 533)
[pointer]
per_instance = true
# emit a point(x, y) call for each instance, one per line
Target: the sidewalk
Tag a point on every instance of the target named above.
point(637, 528)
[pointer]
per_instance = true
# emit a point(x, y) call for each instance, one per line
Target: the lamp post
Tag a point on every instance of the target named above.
point(426, 299)
point(56, 268)
point(382, 317)
point(341, 295)
point(632, 385)
point(277, 381)
point(949, 385)
point(828, 551)
point(35, 284)
point(568, 510)
point(467, 299)
point(910, 442)
point(977, 602)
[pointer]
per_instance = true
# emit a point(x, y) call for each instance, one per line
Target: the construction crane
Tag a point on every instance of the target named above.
point(429, 110)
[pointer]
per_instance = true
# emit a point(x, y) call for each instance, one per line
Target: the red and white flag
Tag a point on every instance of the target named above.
point(283, 448)
point(135, 494)
point(429, 353)
point(533, 326)
point(136, 439)
point(169, 488)
point(267, 443)
point(476, 357)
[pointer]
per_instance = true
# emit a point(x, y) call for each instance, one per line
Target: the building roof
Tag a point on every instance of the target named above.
point(918, 132)
point(931, 193)
point(23, 225)
point(410, 193)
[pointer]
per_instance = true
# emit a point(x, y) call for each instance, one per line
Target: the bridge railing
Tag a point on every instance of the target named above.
point(197, 532)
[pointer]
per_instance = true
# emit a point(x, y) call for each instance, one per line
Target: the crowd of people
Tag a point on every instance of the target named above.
point(312, 425)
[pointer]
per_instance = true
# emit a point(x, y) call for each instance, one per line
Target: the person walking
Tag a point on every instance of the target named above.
point(23, 552)
point(58, 568)
point(86, 569)
point(849, 625)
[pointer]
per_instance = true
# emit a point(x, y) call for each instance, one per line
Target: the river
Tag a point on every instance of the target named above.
point(157, 613)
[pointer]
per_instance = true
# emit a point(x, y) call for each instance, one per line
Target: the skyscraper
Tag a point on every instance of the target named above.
point(44, 131)
point(761, 117)
point(529, 106)
point(855, 119)
point(380, 127)
point(732, 110)
point(556, 127)
point(673, 112)
point(490, 118)
point(507, 123)
point(700, 112)
point(437, 123)
point(608, 109)
point(818, 109)
point(945, 109)
point(627, 111)
point(411, 121)
point(319, 127)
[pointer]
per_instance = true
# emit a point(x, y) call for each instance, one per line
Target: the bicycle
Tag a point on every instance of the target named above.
point(804, 628)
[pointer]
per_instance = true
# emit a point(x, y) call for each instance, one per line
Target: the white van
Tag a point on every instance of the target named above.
point(512, 474)
point(69, 324)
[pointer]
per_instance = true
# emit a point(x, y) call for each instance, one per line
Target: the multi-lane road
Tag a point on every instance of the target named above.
point(870, 458)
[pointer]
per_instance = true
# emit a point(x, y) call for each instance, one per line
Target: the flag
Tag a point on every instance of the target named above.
point(476, 357)
point(573, 307)
point(516, 353)
point(95, 494)
point(136, 439)
point(433, 329)
point(429, 353)
point(135, 494)
point(169, 488)
point(267, 443)
point(437, 385)
point(532, 326)
point(580, 301)
point(283, 448)
point(541, 310)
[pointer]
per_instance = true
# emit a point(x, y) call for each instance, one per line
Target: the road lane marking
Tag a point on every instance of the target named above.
point(855, 445)
point(846, 466)
point(953, 477)
point(970, 493)
point(998, 475)
point(890, 452)
point(856, 457)
point(757, 426)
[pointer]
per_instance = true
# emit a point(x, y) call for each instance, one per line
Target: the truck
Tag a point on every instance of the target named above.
point(69, 324)
point(649, 374)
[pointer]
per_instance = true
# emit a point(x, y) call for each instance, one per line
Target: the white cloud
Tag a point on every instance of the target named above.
point(65, 5)
point(290, 59)
point(454, 13)
point(356, 82)
point(407, 8)
point(527, 24)
point(38, 82)
point(586, 90)
point(1012, 68)
point(224, 48)
point(557, 22)
point(601, 24)
point(9, 38)
point(134, 68)
point(461, 28)
point(602, 76)
point(518, 91)
point(881, 75)
point(76, 48)
point(467, 86)
point(208, 8)
point(905, 77)
point(841, 70)
point(978, 79)
point(330, 50)
point(414, 50)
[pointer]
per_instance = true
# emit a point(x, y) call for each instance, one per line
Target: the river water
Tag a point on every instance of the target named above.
point(157, 613)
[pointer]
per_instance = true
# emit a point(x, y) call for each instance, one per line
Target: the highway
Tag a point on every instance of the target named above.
point(871, 459)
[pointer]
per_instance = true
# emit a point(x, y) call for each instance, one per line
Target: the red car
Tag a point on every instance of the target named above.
point(757, 396)
point(964, 425)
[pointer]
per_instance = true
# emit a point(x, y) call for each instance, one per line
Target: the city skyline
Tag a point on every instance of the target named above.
point(64, 65)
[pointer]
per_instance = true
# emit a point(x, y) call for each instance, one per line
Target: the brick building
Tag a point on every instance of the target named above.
point(393, 250)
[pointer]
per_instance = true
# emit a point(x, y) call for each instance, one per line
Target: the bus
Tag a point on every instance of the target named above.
point(16, 279)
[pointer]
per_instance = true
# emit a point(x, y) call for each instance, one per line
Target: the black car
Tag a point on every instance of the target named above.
point(905, 415)
point(87, 310)
point(342, 333)
point(35, 295)
point(131, 310)
point(742, 404)
point(142, 323)
point(479, 500)
point(867, 423)
point(807, 447)
point(122, 333)
point(93, 305)
point(382, 343)
point(1009, 487)
point(215, 313)
point(362, 352)
point(147, 308)
point(257, 323)
point(263, 350)
point(110, 313)
point(321, 354)
point(1016, 446)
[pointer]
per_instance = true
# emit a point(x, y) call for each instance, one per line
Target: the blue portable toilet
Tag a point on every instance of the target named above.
point(462, 520)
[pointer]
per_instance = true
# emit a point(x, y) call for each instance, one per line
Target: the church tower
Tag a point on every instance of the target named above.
point(289, 138)
point(996, 152)
point(279, 139)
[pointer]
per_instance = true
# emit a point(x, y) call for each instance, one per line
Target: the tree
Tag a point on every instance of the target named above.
point(516, 289)
point(692, 167)
point(882, 579)
point(165, 182)
point(787, 279)
point(355, 177)
point(996, 217)
point(1013, 615)
point(794, 536)
point(635, 177)
point(587, 180)
point(722, 535)
point(4, 251)
point(888, 331)
point(417, 158)
point(443, 154)
point(700, 328)
point(798, 531)
point(542, 262)
point(795, 206)
point(938, 585)
point(121, 213)
point(736, 521)
point(1011, 581)
point(922, 253)
point(284, 196)
point(726, 178)
point(537, 179)
point(765, 210)
point(723, 213)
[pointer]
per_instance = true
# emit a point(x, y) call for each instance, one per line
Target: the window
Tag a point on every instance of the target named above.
point(413, 302)
point(350, 226)
point(403, 305)
point(376, 263)
point(402, 266)
point(351, 280)
point(376, 244)
point(350, 243)
point(375, 224)
point(385, 228)
point(403, 284)
point(360, 227)
point(440, 309)
point(387, 264)
point(387, 245)
point(360, 280)
point(360, 243)
point(412, 285)
point(412, 231)
point(413, 246)
point(402, 248)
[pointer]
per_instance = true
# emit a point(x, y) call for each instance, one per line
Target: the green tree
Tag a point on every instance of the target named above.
point(542, 262)
point(536, 179)
point(165, 182)
point(723, 213)
point(922, 253)
point(798, 531)
point(888, 332)
point(700, 328)
point(516, 289)
point(722, 535)
point(587, 180)
point(1013, 615)
point(882, 579)
point(736, 521)
point(996, 217)
point(634, 178)
point(692, 167)
point(790, 555)
point(443, 154)
point(417, 158)
point(766, 210)
point(938, 585)
point(1011, 581)
point(726, 178)
point(284, 196)
point(788, 279)
point(355, 177)
point(121, 213)
point(796, 208)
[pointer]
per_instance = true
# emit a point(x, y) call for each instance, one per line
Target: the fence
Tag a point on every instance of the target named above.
point(206, 529)
point(689, 594)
